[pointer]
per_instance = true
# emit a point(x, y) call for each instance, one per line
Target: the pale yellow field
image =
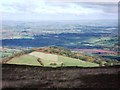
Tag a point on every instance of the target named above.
point(45, 56)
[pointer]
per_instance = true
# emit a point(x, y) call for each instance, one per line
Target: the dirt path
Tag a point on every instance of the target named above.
point(16, 76)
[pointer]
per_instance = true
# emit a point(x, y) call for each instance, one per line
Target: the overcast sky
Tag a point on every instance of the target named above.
point(57, 9)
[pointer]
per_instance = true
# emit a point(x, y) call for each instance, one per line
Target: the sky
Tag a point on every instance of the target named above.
point(36, 10)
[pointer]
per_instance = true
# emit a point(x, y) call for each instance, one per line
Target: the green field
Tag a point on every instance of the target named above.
point(8, 52)
point(47, 59)
point(24, 60)
point(22, 36)
point(75, 62)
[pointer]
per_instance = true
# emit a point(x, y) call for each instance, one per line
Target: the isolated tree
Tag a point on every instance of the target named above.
point(41, 63)
point(62, 64)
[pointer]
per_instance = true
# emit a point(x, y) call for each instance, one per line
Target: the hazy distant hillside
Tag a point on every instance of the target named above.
point(98, 34)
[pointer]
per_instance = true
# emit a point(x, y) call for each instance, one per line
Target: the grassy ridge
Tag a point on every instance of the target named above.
point(57, 57)
point(47, 59)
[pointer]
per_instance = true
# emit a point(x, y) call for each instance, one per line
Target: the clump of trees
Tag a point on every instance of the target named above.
point(53, 63)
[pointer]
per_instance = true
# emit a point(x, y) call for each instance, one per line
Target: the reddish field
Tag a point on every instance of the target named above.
point(96, 51)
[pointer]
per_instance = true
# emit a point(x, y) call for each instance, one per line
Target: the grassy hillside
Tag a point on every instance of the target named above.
point(49, 60)
point(56, 57)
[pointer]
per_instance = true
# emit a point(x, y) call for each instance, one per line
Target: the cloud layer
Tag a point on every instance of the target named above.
point(45, 10)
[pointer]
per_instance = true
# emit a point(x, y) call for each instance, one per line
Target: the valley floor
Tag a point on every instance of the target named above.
point(22, 76)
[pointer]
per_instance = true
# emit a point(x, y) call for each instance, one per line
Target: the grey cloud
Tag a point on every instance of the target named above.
point(29, 6)
point(106, 6)
point(22, 7)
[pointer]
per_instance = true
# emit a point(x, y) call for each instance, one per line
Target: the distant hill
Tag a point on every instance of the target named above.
point(54, 57)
